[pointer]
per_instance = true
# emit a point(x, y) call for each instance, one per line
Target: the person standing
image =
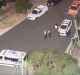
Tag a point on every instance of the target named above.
point(45, 34)
point(49, 33)
point(56, 26)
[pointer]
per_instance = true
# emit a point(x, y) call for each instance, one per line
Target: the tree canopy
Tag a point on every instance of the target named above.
point(22, 5)
point(51, 63)
point(2, 0)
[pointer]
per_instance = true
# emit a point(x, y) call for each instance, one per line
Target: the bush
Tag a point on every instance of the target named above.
point(22, 5)
point(51, 63)
point(2, 11)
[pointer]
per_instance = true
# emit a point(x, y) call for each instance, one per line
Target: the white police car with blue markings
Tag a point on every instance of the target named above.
point(65, 27)
point(37, 12)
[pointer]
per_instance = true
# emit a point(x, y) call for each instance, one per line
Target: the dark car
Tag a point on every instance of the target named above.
point(52, 2)
point(3, 3)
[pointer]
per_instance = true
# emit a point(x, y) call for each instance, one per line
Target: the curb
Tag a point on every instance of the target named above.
point(2, 31)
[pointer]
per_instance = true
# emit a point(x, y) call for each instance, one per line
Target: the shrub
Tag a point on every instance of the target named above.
point(22, 5)
point(1, 11)
point(51, 63)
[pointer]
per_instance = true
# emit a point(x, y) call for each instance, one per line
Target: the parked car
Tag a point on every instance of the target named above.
point(2, 3)
point(65, 27)
point(37, 12)
point(74, 8)
point(52, 2)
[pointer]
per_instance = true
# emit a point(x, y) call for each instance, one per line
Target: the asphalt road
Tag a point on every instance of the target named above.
point(29, 34)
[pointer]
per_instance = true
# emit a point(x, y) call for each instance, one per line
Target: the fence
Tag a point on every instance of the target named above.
point(71, 45)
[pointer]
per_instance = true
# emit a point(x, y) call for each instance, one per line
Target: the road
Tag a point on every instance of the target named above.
point(29, 34)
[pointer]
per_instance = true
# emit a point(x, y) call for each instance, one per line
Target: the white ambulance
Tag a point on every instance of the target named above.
point(12, 57)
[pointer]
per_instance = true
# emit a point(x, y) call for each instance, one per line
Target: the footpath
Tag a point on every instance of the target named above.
point(10, 21)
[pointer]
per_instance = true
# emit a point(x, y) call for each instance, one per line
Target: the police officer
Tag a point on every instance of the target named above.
point(56, 26)
point(49, 33)
point(45, 34)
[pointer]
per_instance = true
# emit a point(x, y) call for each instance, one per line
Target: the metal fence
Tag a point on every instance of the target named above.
point(71, 45)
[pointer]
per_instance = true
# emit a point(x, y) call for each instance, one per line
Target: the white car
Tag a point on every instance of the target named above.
point(65, 27)
point(37, 12)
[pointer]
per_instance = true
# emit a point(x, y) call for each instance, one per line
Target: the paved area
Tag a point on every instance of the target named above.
point(6, 70)
point(29, 34)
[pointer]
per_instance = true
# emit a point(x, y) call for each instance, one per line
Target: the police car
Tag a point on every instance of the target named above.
point(37, 12)
point(65, 27)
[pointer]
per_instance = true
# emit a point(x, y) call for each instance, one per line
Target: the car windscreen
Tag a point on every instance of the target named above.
point(34, 12)
point(63, 27)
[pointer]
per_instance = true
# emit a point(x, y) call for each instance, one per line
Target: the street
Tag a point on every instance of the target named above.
point(29, 34)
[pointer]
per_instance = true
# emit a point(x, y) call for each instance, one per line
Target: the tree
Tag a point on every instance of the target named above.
point(2, 0)
point(49, 62)
point(70, 65)
point(22, 5)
